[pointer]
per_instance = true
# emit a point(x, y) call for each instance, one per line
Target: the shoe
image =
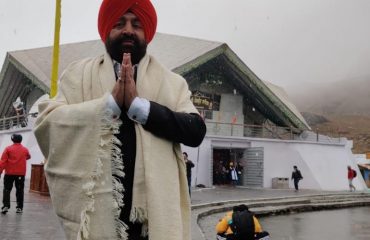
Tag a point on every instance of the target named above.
point(19, 210)
point(4, 210)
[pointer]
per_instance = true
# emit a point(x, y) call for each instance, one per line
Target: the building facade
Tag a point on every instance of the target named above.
point(251, 124)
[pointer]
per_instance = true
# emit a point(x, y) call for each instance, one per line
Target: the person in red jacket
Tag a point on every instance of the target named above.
point(350, 176)
point(13, 160)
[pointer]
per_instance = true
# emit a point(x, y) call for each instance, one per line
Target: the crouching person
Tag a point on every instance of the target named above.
point(240, 224)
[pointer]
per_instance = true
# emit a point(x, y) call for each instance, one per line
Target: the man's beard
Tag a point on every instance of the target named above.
point(116, 49)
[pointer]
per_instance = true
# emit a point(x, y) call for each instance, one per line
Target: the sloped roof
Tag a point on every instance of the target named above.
point(181, 54)
point(283, 96)
point(172, 51)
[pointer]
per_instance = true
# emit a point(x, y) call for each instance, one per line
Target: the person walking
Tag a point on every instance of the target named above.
point(13, 161)
point(351, 175)
point(296, 177)
point(189, 166)
point(124, 116)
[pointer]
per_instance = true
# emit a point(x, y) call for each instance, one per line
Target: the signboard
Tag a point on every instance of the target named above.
point(206, 101)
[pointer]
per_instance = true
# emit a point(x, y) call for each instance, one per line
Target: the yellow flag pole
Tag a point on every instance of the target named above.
point(54, 68)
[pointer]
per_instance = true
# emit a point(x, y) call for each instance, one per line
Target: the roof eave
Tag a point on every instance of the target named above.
point(290, 118)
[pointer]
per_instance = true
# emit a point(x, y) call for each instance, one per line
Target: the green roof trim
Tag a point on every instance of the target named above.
point(264, 89)
point(188, 67)
point(293, 120)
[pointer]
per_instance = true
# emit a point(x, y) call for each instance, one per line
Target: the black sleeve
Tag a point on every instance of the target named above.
point(191, 164)
point(185, 128)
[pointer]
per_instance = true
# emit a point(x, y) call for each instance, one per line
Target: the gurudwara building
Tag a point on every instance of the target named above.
point(251, 124)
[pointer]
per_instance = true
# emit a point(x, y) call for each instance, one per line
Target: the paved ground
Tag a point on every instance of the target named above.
point(200, 196)
point(38, 221)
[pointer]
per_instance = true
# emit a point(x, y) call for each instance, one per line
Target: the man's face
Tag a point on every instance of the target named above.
point(127, 36)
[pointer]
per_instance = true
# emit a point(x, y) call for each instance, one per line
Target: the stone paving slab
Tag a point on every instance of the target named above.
point(37, 222)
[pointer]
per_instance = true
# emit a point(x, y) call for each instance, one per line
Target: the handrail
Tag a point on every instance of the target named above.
point(19, 121)
point(216, 128)
point(266, 131)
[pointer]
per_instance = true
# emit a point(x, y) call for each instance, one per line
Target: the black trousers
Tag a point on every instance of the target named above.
point(189, 184)
point(18, 180)
point(296, 181)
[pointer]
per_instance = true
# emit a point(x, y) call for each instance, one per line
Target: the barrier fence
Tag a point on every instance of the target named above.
point(269, 131)
point(19, 121)
point(218, 128)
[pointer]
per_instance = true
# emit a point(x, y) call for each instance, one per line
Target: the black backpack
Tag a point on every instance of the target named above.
point(242, 225)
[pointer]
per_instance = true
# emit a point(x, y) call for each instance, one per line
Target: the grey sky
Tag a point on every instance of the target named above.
point(286, 42)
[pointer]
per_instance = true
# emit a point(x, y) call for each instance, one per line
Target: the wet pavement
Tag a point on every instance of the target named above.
point(341, 224)
point(38, 221)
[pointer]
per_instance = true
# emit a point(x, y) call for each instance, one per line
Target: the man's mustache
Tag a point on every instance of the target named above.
point(124, 38)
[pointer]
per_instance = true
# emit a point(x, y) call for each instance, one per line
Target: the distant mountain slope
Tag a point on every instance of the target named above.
point(349, 97)
point(314, 119)
point(341, 108)
point(356, 128)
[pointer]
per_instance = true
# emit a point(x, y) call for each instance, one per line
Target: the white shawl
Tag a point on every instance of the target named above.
point(75, 134)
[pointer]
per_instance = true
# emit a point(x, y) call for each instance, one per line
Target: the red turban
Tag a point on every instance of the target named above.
point(112, 10)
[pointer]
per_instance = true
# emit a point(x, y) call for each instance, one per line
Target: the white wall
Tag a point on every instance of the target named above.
point(201, 157)
point(323, 166)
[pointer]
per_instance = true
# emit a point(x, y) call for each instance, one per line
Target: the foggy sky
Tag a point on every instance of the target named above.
point(291, 43)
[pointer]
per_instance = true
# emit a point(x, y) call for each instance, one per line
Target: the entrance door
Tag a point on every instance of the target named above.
point(253, 167)
point(223, 161)
point(221, 158)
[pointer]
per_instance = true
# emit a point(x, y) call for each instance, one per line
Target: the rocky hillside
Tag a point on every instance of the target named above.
point(341, 108)
point(356, 128)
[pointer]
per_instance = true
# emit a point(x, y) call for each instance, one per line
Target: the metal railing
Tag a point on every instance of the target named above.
point(267, 131)
point(216, 128)
point(19, 121)
point(249, 130)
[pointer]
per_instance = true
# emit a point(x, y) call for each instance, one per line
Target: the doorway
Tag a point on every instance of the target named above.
point(227, 166)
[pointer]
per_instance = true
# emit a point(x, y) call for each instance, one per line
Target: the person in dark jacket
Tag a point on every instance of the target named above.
point(124, 116)
point(189, 166)
point(13, 161)
point(296, 177)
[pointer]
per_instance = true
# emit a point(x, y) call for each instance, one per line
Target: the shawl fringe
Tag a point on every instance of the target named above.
point(140, 215)
point(108, 150)
point(83, 232)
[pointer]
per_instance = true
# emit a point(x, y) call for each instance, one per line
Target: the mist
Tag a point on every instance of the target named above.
point(298, 45)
